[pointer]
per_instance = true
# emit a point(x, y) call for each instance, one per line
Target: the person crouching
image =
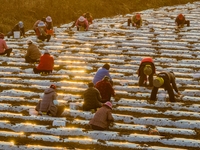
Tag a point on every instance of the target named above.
point(103, 117)
point(82, 24)
point(165, 80)
point(46, 64)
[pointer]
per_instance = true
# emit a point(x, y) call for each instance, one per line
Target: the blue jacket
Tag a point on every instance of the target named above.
point(101, 72)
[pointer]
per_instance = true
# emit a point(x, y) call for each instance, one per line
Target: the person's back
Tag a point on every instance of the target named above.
point(47, 100)
point(103, 117)
point(101, 72)
point(135, 20)
point(33, 53)
point(46, 105)
point(49, 23)
point(180, 21)
point(105, 88)
point(92, 98)
point(164, 80)
point(46, 62)
point(89, 18)
point(18, 27)
point(3, 46)
point(82, 23)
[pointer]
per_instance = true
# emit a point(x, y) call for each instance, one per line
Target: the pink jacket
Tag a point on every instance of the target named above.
point(102, 118)
point(84, 24)
point(3, 45)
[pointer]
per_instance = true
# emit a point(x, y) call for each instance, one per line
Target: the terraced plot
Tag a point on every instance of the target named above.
point(77, 56)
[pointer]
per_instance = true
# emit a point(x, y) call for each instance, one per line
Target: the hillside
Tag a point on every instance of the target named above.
point(65, 11)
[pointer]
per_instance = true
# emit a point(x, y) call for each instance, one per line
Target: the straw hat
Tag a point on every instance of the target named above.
point(41, 24)
point(48, 19)
point(109, 104)
point(81, 19)
point(158, 82)
point(21, 24)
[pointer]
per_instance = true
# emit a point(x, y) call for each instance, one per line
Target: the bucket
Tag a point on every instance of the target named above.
point(16, 34)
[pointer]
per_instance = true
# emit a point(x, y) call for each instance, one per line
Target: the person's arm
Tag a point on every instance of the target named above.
point(23, 32)
point(5, 45)
point(98, 95)
point(87, 25)
point(76, 24)
point(174, 85)
point(140, 22)
point(110, 117)
point(112, 90)
point(55, 96)
point(28, 52)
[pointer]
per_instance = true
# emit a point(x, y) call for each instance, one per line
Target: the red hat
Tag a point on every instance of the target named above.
point(180, 16)
point(109, 104)
point(53, 86)
point(138, 17)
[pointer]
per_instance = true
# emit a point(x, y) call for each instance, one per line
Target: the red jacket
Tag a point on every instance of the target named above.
point(106, 90)
point(46, 62)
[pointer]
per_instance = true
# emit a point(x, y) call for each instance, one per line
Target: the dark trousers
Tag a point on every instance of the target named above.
point(42, 37)
point(97, 128)
point(7, 51)
point(130, 23)
point(167, 87)
point(30, 60)
point(144, 78)
point(35, 70)
point(186, 22)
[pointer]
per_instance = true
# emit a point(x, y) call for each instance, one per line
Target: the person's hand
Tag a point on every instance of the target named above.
point(111, 124)
point(179, 93)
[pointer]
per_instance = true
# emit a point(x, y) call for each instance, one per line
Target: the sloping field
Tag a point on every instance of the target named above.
point(77, 56)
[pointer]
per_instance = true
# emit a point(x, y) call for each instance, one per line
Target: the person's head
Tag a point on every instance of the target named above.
point(41, 24)
point(87, 15)
point(138, 16)
point(53, 86)
point(158, 82)
point(48, 19)
point(1, 35)
point(109, 104)
point(46, 52)
point(90, 84)
point(43, 19)
point(81, 19)
point(21, 24)
point(106, 78)
point(29, 41)
point(147, 70)
point(106, 66)
point(180, 16)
